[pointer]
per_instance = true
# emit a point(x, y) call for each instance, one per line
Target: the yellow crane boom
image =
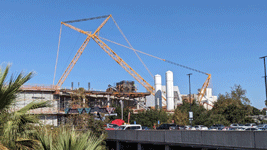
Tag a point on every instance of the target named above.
point(107, 49)
point(72, 63)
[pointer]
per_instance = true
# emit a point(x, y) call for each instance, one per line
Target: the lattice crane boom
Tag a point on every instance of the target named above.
point(73, 62)
point(108, 50)
point(204, 88)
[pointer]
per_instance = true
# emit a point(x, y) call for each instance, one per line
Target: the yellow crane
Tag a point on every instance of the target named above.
point(106, 48)
point(119, 60)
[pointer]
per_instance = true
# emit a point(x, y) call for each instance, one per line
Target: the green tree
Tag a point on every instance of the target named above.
point(180, 117)
point(216, 119)
point(256, 111)
point(233, 106)
point(84, 122)
point(199, 113)
point(150, 117)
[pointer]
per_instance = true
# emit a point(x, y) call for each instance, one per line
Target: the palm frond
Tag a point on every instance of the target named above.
point(28, 144)
point(33, 105)
point(45, 139)
point(2, 147)
point(9, 90)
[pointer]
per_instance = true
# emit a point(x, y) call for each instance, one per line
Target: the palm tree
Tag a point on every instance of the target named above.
point(14, 126)
point(67, 139)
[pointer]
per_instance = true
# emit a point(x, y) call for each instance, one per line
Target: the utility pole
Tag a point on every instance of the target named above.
point(121, 109)
point(190, 112)
point(265, 75)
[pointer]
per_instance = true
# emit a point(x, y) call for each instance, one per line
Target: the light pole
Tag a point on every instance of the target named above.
point(190, 112)
point(121, 109)
point(265, 75)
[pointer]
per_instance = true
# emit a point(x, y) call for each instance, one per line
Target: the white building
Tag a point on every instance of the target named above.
point(208, 100)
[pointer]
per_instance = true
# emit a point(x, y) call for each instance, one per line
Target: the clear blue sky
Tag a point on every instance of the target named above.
point(223, 38)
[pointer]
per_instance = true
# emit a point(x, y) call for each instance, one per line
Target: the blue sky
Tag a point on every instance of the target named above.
point(223, 38)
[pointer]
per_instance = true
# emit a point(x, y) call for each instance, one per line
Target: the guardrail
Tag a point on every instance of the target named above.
point(227, 139)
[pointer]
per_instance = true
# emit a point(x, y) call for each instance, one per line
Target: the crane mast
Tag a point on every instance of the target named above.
point(204, 88)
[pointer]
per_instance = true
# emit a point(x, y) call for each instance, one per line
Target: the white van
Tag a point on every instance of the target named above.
point(130, 127)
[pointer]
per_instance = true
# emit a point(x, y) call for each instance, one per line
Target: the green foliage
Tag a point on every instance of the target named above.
point(256, 111)
point(234, 106)
point(67, 139)
point(146, 118)
point(84, 122)
point(199, 113)
point(17, 126)
point(150, 117)
point(215, 119)
point(180, 117)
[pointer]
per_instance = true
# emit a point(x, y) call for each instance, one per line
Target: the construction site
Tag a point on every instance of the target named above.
point(80, 100)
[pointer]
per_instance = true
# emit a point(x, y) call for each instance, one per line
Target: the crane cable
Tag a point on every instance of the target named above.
point(132, 47)
point(57, 54)
point(168, 61)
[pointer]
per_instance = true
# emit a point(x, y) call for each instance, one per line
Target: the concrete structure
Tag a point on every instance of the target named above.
point(67, 101)
point(197, 139)
point(46, 93)
point(158, 93)
point(169, 91)
point(208, 99)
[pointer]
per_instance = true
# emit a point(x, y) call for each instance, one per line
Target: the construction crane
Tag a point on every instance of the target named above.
point(106, 48)
point(119, 60)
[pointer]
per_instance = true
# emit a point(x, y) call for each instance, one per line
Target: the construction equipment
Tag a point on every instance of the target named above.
point(119, 60)
point(107, 49)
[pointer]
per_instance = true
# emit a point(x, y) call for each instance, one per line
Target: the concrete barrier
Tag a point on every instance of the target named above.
point(241, 139)
point(173, 137)
point(191, 137)
point(261, 139)
point(227, 139)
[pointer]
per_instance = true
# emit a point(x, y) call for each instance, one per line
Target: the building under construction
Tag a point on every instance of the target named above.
point(77, 101)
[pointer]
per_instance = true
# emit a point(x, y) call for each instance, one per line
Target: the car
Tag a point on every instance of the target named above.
point(251, 129)
point(168, 127)
point(234, 125)
point(232, 129)
point(226, 128)
point(201, 127)
point(250, 125)
point(241, 125)
point(216, 127)
point(239, 129)
point(187, 127)
point(262, 129)
point(182, 127)
point(110, 126)
point(130, 127)
point(145, 128)
point(262, 126)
